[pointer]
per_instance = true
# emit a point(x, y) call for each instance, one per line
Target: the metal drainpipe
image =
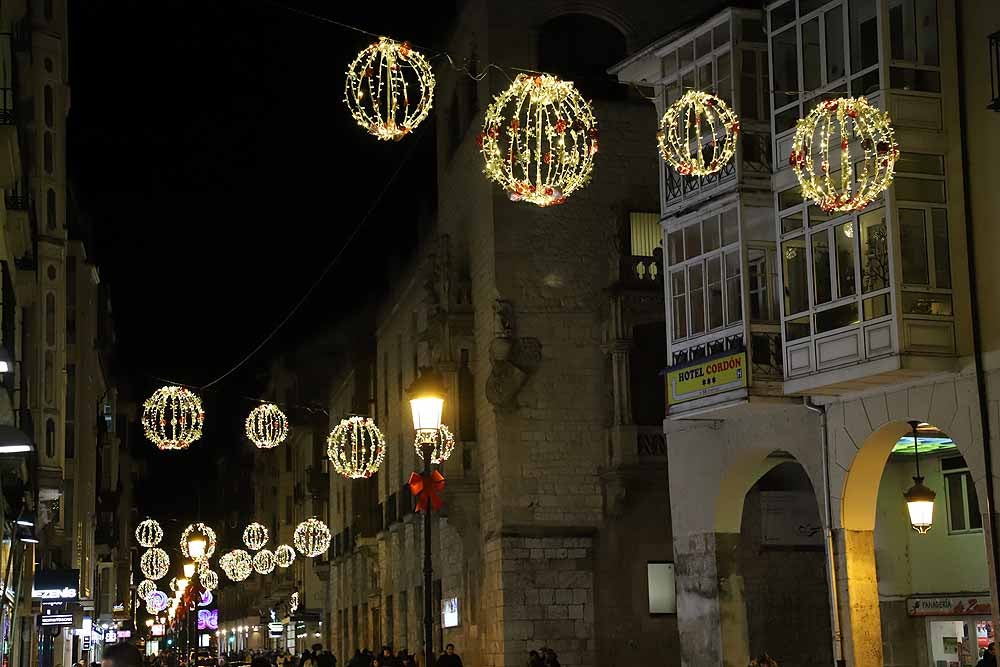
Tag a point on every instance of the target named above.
point(977, 338)
point(831, 565)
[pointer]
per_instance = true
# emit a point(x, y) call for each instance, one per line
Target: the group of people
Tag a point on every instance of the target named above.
point(543, 657)
point(402, 658)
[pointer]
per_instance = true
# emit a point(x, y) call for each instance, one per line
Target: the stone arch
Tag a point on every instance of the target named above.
point(743, 472)
point(595, 9)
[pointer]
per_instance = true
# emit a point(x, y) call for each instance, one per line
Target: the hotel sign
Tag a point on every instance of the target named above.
point(706, 377)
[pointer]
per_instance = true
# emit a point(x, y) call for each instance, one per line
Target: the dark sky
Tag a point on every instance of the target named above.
point(210, 147)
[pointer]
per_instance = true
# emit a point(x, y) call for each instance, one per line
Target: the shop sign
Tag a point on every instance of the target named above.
point(57, 619)
point(275, 630)
point(156, 630)
point(85, 632)
point(55, 585)
point(111, 637)
point(949, 606)
point(707, 377)
point(124, 634)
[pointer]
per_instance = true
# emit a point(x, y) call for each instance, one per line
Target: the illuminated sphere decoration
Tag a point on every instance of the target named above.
point(312, 537)
point(389, 89)
point(172, 417)
point(173, 585)
point(156, 602)
point(264, 561)
point(444, 444)
point(356, 447)
point(255, 536)
point(267, 426)
point(844, 154)
point(239, 565)
point(154, 563)
point(206, 531)
point(698, 134)
point(145, 587)
point(284, 555)
point(148, 533)
point(539, 140)
point(209, 579)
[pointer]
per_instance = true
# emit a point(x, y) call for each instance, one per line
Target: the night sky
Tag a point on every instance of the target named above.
point(210, 147)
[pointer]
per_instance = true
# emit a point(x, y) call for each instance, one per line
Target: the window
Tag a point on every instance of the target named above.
point(960, 492)
point(47, 151)
point(661, 587)
point(50, 438)
point(924, 241)
point(645, 233)
point(51, 212)
point(864, 34)
point(760, 280)
point(50, 319)
point(70, 410)
point(49, 106)
point(785, 52)
point(913, 29)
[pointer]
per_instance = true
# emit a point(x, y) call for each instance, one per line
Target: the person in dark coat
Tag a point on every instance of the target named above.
point(989, 658)
point(449, 658)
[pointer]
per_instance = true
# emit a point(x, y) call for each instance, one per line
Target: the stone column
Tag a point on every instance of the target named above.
point(711, 608)
point(857, 589)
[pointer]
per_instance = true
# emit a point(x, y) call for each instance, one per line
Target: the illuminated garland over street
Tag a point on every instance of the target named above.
point(156, 602)
point(284, 555)
point(144, 588)
point(389, 89)
point(237, 564)
point(209, 579)
point(864, 138)
point(264, 562)
point(255, 536)
point(267, 426)
point(312, 537)
point(539, 140)
point(154, 563)
point(695, 125)
point(356, 447)
point(444, 444)
point(172, 418)
point(148, 533)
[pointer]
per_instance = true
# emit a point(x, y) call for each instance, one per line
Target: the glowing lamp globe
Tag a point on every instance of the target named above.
point(389, 89)
point(145, 587)
point(264, 561)
point(189, 569)
point(148, 533)
point(182, 584)
point(284, 555)
point(539, 140)
point(255, 536)
point(198, 539)
point(427, 395)
point(920, 506)
point(312, 537)
point(698, 134)
point(267, 426)
point(844, 154)
point(172, 418)
point(154, 563)
point(356, 447)
point(442, 443)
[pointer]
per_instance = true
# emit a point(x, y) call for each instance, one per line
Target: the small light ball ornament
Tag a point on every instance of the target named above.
point(203, 530)
point(267, 426)
point(443, 442)
point(264, 562)
point(154, 563)
point(172, 418)
point(312, 537)
point(145, 587)
point(148, 533)
point(238, 565)
point(284, 555)
point(539, 140)
point(863, 137)
point(389, 89)
point(356, 447)
point(255, 536)
point(209, 579)
point(698, 134)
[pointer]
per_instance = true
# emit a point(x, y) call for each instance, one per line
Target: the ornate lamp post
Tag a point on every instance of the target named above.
point(919, 499)
point(426, 404)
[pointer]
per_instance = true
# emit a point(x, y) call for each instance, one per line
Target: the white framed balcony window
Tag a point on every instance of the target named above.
point(915, 62)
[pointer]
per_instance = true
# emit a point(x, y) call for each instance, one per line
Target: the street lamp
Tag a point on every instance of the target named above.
point(919, 499)
point(197, 545)
point(427, 404)
point(189, 569)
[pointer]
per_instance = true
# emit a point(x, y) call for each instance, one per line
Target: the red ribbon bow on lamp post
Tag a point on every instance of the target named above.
point(427, 489)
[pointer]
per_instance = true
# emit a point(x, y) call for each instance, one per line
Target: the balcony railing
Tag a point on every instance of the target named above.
point(682, 187)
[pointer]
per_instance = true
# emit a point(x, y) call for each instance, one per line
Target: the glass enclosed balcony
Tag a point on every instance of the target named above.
point(867, 297)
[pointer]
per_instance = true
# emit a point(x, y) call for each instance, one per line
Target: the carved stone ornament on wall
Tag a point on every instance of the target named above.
point(513, 359)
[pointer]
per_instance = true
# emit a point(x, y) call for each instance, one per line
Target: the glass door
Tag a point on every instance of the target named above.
point(958, 642)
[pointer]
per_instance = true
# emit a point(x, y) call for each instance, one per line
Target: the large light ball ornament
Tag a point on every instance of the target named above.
point(312, 537)
point(284, 555)
point(238, 566)
point(144, 588)
point(389, 89)
point(850, 136)
point(255, 536)
point(205, 531)
point(267, 426)
point(154, 563)
point(172, 417)
point(264, 561)
point(698, 134)
point(443, 442)
point(148, 533)
point(356, 447)
point(156, 602)
point(539, 140)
